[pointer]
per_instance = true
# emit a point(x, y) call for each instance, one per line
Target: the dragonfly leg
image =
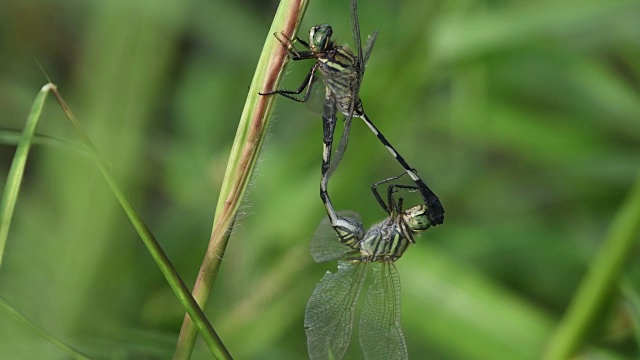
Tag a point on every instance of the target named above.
point(304, 43)
point(376, 195)
point(393, 189)
point(435, 209)
point(288, 45)
point(306, 83)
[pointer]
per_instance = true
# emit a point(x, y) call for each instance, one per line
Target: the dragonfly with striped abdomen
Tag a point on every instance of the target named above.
point(342, 72)
point(330, 311)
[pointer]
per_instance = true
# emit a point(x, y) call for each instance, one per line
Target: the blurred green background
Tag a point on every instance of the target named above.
point(523, 117)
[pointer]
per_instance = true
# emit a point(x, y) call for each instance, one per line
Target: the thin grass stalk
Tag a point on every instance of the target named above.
point(17, 316)
point(12, 137)
point(600, 280)
point(244, 153)
point(9, 199)
point(16, 172)
point(177, 285)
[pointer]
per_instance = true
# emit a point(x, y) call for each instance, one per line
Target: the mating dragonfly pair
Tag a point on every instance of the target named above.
point(330, 311)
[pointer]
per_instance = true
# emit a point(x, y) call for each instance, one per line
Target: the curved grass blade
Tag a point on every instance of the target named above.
point(12, 188)
point(16, 172)
point(12, 137)
point(600, 281)
point(17, 316)
point(162, 261)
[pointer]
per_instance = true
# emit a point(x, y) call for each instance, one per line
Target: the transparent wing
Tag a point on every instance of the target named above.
point(368, 47)
point(354, 87)
point(328, 317)
point(381, 335)
point(325, 245)
point(342, 147)
point(315, 101)
point(355, 27)
point(354, 83)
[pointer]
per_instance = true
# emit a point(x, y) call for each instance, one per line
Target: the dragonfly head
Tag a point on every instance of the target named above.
point(320, 37)
point(417, 218)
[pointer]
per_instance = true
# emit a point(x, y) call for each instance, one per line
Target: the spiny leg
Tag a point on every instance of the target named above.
point(296, 55)
point(306, 83)
point(436, 212)
point(374, 189)
point(291, 49)
point(392, 190)
point(391, 207)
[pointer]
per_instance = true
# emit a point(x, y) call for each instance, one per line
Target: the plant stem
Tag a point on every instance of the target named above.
point(246, 146)
point(16, 172)
point(164, 264)
point(600, 281)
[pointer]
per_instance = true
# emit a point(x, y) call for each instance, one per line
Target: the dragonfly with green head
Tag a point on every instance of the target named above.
point(330, 311)
point(342, 71)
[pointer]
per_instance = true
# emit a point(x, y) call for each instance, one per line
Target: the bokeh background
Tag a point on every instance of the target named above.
point(524, 117)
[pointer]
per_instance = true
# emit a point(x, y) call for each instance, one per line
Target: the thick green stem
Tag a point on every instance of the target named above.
point(244, 153)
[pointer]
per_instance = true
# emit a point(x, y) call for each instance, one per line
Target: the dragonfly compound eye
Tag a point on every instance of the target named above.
point(320, 37)
point(417, 218)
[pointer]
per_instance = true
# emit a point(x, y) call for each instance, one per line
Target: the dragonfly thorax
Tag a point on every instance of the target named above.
point(386, 241)
point(320, 38)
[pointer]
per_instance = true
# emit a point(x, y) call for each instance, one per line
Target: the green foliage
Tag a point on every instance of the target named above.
point(523, 117)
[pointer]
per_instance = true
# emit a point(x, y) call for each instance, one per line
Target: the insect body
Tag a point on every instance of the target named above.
point(330, 311)
point(342, 72)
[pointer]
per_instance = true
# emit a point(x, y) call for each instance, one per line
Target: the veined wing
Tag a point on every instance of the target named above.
point(381, 336)
point(328, 317)
point(355, 28)
point(355, 78)
point(342, 147)
point(355, 89)
point(368, 47)
point(363, 55)
point(325, 245)
point(354, 83)
point(316, 99)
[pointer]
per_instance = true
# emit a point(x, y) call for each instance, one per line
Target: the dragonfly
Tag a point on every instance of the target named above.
point(342, 72)
point(330, 311)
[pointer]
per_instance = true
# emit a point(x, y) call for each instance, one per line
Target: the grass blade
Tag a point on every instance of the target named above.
point(17, 316)
point(16, 172)
point(244, 153)
point(177, 285)
point(600, 280)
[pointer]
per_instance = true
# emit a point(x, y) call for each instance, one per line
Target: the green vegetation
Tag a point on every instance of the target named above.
point(524, 118)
